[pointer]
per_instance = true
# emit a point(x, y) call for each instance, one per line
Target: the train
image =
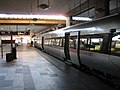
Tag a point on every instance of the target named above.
point(92, 46)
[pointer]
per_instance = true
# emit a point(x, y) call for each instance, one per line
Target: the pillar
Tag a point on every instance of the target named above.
point(69, 21)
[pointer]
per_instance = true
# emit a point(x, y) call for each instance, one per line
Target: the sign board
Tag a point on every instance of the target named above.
point(7, 41)
point(15, 33)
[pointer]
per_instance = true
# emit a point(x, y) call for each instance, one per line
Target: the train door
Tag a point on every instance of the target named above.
point(115, 54)
point(66, 47)
point(73, 48)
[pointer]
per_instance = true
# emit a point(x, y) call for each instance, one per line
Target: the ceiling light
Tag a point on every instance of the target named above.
point(82, 18)
point(33, 17)
point(43, 6)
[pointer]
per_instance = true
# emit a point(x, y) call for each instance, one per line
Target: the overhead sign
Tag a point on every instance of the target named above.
point(15, 33)
point(7, 41)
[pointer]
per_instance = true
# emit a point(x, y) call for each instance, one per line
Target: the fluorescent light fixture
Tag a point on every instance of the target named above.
point(82, 18)
point(44, 6)
point(16, 16)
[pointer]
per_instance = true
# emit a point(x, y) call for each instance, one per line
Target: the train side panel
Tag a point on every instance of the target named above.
point(73, 48)
point(54, 46)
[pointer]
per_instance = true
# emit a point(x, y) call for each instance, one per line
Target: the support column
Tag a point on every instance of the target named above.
point(101, 8)
point(69, 21)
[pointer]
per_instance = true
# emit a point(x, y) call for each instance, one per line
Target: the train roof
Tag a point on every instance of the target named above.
point(99, 25)
point(103, 25)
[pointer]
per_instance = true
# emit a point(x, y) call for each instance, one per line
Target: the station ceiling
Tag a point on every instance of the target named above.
point(57, 7)
point(28, 7)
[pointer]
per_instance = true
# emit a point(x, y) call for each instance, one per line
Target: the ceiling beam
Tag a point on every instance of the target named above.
point(30, 21)
point(81, 8)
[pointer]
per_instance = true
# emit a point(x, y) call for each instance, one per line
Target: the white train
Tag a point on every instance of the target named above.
point(92, 46)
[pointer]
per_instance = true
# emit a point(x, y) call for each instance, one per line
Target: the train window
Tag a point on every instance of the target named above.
point(72, 43)
point(46, 41)
point(57, 41)
point(115, 45)
point(49, 41)
point(83, 43)
point(96, 44)
point(91, 43)
point(52, 41)
point(62, 42)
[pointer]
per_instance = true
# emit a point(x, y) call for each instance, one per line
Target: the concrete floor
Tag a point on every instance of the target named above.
point(35, 70)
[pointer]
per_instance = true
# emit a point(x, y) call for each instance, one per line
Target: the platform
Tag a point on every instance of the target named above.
point(35, 70)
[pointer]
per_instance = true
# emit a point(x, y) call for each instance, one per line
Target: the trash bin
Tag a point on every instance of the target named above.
point(14, 53)
point(9, 57)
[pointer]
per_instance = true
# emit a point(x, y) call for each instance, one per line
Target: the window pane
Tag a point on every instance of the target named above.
point(83, 43)
point(115, 45)
point(72, 43)
point(57, 42)
point(46, 41)
point(96, 44)
point(91, 43)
